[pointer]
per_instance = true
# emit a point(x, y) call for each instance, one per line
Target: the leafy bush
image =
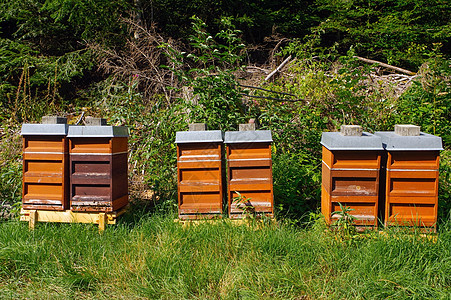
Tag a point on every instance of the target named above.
point(398, 32)
point(428, 102)
point(216, 94)
point(10, 170)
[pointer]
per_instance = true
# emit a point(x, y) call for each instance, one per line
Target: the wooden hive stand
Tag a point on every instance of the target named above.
point(68, 216)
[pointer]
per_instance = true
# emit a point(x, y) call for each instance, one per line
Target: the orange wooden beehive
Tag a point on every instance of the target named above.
point(249, 166)
point(45, 165)
point(410, 191)
point(350, 176)
point(200, 174)
point(98, 168)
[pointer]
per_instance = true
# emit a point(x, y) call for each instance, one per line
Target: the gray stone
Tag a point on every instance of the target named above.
point(351, 130)
point(423, 142)
point(253, 136)
point(337, 141)
point(53, 120)
point(208, 136)
point(407, 130)
point(97, 131)
point(90, 121)
point(246, 127)
point(197, 127)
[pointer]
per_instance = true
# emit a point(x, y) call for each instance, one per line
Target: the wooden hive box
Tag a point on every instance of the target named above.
point(249, 176)
point(350, 176)
point(98, 168)
point(200, 174)
point(45, 165)
point(410, 189)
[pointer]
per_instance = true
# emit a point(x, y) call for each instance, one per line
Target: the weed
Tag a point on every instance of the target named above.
point(244, 204)
point(345, 222)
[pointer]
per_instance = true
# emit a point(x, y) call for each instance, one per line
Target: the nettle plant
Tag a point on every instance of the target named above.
point(216, 98)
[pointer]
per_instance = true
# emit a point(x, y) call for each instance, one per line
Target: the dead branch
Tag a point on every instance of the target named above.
point(257, 68)
point(278, 68)
point(266, 90)
point(370, 61)
point(272, 98)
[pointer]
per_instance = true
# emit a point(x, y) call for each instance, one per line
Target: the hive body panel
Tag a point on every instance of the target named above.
point(45, 172)
point(98, 171)
point(351, 178)
point(200, 180)
point(411, 191)
point(250, 182)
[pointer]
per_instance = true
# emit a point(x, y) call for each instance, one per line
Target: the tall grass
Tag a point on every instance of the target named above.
point(154, 257)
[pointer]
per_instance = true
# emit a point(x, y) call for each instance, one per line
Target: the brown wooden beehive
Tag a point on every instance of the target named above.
point(200, 174)
point(410, 190)
point(45, 165)
point(249, 176)
point(98, 168)
point(350, 176)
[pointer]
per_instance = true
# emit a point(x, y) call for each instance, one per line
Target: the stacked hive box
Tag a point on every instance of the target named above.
point(199, 172)
point(350, 174)
point(250, 184)
point(45, 165)
point(411, 184)
point(98, 167)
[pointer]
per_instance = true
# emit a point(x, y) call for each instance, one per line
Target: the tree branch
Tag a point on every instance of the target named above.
point(272, 98)
point(278, 68)
point(370, 61)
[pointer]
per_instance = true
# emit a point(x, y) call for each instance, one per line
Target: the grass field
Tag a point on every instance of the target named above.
point(154, 257)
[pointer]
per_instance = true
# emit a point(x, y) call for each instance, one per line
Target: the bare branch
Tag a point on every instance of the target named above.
point(278, 68)
point(370, 61)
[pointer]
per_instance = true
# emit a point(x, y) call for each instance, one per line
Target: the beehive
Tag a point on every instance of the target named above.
point(249, 165)
point(350, 176)
point(98, 168)
point(200, 173)
point(410, 191)
point(45, 165)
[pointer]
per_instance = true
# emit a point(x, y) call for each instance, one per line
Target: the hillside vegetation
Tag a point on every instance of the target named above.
point(156, 66)
point(153, 68)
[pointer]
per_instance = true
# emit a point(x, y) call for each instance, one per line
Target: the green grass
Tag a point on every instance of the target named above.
point(154, 257)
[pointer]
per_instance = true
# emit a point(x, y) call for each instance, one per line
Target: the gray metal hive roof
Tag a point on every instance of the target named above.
point(97, 131)
point(208, 136)
point(337, 141)
point(423, 142)
point(44, 129)
point(250, 136)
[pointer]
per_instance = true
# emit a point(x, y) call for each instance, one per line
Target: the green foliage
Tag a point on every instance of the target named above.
point(398, 32)
point(10, 171)
point(58, 26)
point(216, 93)
point(256, 19)
point(27, 77)
point(428, 102)
point(43, 56)
point(345, 222)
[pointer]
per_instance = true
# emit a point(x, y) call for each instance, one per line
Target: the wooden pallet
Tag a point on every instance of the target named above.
point(68, 216)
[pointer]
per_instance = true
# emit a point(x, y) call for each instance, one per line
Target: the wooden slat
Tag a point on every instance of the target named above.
point(427, 160)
